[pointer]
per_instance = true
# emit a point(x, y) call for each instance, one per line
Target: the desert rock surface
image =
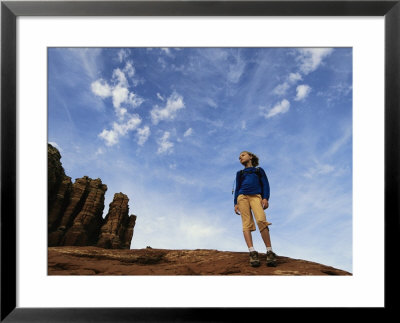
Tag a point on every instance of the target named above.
point(74, 260)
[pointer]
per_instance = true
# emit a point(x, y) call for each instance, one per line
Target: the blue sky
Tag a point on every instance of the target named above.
point(166, 126)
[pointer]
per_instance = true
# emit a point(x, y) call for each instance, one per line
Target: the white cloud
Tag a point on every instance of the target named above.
point(281, 88)
point(100, 151)
point(121, 113)
point(129, 69)
point(143, 134)
point(188, 132)
point(123, 54)
point(339, 143)
point(244, 125)
point(180, 68)
point(319, 169)
point(294, 77)
point(160, 97)
point(87, 59)
point(120, 95)
point(111, 137)
point(236, 70)
point(166, 50)
point(162, 62)
point(119, 92)
point(281, 107)
point(311, 58)
point(164, 145)
point(212, 103)
point(101, 88)
point(336, 92)
point(119, 78)
point(131, 124)
point(174, 104)
point(134, 100)
point(302, 92)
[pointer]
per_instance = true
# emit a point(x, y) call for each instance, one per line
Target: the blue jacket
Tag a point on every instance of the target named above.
point(250, 183)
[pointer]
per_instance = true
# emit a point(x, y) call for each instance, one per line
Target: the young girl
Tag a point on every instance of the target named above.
point(252, 194)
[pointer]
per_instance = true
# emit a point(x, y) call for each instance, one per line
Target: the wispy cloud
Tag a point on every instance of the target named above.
point(164, 145)
point(294, 77)
point(87, 59)
point(129, 69)
point(118, 91)
point(123, 54)
point(162, 62)
point(211, 103)
point(169, 111)
point(337, 92)
point(311, 58)
point(99, 151)
point(160, 97)
point(281, 89)
point(166, 50)
point(111, 137)
point(337, 145)
point(101, 88)
point(279, 108)
point(302, 91)
point(134, 100)
point(236, 69)
point(188, 132)
point(119, 95)
point(319, 169)
point(143, 134)
point(119, 78)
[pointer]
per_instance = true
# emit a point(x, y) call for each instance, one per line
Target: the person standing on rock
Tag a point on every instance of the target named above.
point(252, 195)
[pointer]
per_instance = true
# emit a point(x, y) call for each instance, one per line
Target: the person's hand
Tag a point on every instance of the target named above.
point(264, 203)
point(237, 209)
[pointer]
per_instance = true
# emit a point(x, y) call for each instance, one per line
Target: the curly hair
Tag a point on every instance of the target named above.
point(254, 158)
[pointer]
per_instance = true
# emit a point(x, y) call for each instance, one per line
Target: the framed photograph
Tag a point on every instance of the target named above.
point(198, 65)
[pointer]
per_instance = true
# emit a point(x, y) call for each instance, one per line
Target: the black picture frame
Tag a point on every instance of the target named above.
point(10, 10)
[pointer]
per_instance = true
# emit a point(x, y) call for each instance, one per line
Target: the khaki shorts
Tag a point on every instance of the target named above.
point(248, 203)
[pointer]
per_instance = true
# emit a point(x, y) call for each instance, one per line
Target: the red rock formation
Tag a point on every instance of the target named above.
point(78, 195)
point(116, 233)
point(75, 211)
point(59, 203)
point(59, 187)
point(129, 232)
point(87, 223)
point(55, 172)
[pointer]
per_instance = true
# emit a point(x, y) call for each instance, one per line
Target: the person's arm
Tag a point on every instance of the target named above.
point(237, 187)
point(265, 189)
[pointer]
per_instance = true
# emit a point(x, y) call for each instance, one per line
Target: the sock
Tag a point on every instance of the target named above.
point(252, 249)
point(269, 249)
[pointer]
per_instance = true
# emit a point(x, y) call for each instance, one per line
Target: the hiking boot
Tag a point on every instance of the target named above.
point(254, 261)
point(271, 259)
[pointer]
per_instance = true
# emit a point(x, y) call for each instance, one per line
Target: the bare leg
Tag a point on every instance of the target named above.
point(248, 238)
point(266, 237)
